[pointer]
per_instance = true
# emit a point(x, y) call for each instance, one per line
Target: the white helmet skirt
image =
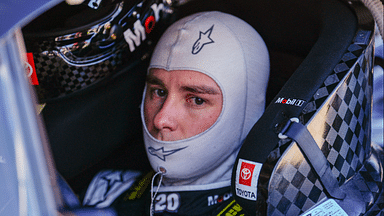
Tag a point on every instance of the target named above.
point(235, 56)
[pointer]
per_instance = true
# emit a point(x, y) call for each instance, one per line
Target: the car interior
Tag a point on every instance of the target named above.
point(99, 126)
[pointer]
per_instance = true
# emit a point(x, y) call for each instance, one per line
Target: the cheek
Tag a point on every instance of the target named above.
point(207, 118)
point(149, 111)
point(214, 115)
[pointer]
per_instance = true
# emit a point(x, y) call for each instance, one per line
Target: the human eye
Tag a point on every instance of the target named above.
point(199, 101)
point(160, 92)
point(156, 92)
point(195, 101)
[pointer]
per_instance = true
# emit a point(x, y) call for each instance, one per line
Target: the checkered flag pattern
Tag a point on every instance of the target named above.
point(342, 125)
point(369, 184)
point(57, 78)
point(339, 72)
point(338, 117)
point(294, 187)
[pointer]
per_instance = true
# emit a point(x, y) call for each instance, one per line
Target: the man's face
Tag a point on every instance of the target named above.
point(180, 104)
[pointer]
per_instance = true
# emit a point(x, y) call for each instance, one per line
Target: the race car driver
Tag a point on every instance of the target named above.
point(205, 90)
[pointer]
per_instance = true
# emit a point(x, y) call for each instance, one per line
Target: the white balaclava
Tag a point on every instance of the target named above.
point(234, 55)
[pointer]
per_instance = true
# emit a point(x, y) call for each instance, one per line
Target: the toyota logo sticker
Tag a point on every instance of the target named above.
point(247, 175)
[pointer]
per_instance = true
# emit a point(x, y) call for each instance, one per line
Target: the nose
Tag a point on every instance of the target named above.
point(166, 117)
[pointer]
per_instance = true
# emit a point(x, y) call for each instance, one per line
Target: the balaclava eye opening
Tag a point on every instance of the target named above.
point(235, 56)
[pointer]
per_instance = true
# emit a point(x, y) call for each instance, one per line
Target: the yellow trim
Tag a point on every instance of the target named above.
point(229, 205)
point(40, 108)
point(139, 189)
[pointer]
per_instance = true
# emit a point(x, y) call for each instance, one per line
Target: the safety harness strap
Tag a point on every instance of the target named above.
point(315, 156)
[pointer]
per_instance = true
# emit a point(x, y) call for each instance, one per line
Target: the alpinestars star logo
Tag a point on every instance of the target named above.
point(204, 39)
point(161, 153)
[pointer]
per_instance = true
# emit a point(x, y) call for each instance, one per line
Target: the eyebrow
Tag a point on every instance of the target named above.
point(154, 80)
point(198, 89)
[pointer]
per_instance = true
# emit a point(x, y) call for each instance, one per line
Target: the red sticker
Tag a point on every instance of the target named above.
point(149, 24)
point(246, 173)
point(31, 70)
